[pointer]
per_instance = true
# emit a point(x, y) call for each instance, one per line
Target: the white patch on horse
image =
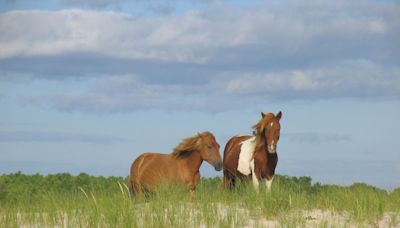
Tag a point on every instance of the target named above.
point(246, 156)
point(272, 124)
point(253, 175)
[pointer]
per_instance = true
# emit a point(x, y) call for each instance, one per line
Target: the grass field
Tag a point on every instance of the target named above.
point(86, 201)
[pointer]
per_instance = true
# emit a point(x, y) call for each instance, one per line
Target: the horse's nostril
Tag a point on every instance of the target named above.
point(218, 167)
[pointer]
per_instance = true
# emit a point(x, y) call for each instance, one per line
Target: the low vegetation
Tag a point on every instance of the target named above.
point(83, 200)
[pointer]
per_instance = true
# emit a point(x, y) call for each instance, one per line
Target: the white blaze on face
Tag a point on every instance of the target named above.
point(271, 147)
point(246, 156)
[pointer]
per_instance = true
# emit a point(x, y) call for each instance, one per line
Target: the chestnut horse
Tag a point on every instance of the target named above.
point(150, 170)
point(253, 156)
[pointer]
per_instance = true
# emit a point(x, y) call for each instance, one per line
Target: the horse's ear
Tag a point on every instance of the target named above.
point(262, 114)
point(279, 115)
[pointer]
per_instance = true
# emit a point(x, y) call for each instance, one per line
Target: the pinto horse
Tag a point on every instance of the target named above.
point(253, 156)
point(150, 170)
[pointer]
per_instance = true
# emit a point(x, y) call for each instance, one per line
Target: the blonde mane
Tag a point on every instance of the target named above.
point(259, 129)
point(188, 145)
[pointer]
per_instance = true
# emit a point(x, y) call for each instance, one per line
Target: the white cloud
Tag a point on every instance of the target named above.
point(302, 81)
point(96, 2)
point(127, 93)
point(377, 26)
point(121, 94)
point(194, 35)
point(348, 79)
point(35, 136)
point(210, 58)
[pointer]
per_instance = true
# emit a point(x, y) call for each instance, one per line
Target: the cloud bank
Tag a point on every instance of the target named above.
point(28, 136)
point(215, 58)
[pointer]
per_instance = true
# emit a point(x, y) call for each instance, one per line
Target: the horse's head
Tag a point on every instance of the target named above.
point(209, 150)
point(268, 128)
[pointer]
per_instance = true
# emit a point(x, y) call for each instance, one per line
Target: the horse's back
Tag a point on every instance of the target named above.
point(231, 153)
point(147, 168)
point(233, 144)
point(151, 161)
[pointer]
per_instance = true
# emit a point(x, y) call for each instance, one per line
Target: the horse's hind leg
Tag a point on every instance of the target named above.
point(226, 180)
point(139, 195)
point(229, 181)
point(130, 187)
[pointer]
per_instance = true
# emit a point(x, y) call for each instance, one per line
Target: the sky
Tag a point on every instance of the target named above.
point(88, 85)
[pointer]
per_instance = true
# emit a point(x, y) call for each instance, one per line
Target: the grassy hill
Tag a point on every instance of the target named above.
point(83, 200)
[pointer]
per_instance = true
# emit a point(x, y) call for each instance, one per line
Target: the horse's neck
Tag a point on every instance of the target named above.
point(193, 161)
point(260, 143)
point(263, 155)
point(261, 150)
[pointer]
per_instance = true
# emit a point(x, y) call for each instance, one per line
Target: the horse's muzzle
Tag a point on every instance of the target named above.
point(217, 165)
point(271, 149)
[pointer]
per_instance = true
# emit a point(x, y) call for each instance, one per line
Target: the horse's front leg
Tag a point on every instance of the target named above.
point(192, 185)
point(256, 182)
point(268, 183)
point(254, 176)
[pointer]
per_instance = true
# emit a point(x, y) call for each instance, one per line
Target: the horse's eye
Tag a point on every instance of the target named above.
point(209, 149)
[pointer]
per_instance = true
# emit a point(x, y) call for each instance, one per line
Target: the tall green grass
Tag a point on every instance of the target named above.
point(82, 201)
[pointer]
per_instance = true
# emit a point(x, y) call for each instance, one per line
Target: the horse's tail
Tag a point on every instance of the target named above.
point(228, 147)
point(130, 186)
point(134, 184)
point(131, 180)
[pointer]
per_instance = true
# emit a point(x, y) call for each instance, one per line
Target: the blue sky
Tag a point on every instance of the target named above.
point(88, 85)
